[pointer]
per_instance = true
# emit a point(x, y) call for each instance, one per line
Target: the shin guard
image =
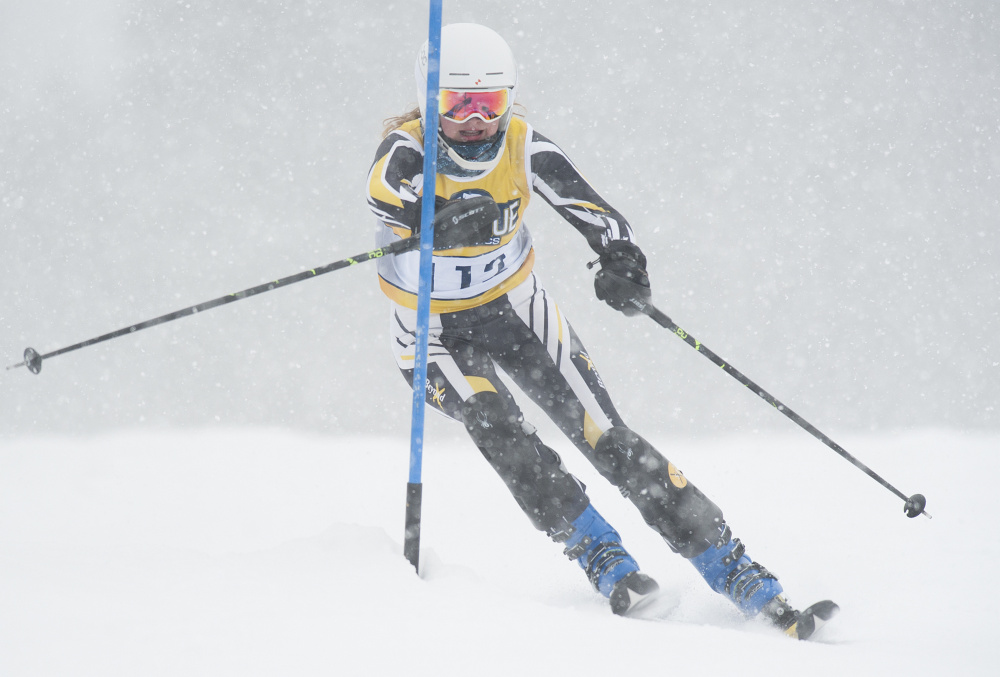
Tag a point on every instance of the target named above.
point(667, 501)
point(547, 493)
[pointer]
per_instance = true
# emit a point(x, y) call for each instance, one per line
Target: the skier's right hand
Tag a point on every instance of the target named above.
point(622, 282)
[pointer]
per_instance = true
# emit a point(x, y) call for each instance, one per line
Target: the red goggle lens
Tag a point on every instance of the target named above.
point(460, 106)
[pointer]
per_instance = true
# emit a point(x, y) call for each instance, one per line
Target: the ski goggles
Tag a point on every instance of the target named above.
point(459, 106)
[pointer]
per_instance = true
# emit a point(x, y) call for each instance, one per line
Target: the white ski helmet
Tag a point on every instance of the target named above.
point(473, 58)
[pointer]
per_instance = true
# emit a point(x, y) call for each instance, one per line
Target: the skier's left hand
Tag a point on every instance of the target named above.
point(622, 282)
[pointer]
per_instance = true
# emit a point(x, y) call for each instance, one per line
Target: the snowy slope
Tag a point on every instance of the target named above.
point(263, 552)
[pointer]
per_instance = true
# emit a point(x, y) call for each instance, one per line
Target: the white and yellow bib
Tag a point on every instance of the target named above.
point(471, 276)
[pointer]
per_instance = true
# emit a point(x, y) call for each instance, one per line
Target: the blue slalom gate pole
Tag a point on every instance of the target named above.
point(414, 487)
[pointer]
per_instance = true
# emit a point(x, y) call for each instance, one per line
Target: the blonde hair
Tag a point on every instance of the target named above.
point(393, 123)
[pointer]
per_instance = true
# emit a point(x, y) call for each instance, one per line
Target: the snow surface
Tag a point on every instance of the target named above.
point(266, 552)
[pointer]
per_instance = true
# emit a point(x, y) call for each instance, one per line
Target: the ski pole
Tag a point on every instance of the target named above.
point(914, 505)
point(33, 359)
point(461, 223)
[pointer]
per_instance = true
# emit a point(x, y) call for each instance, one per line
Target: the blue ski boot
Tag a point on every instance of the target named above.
point(730, 572)
point(597, 547)
point(755, 590)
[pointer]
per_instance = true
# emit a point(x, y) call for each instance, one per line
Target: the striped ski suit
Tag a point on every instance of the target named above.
point(489, 312)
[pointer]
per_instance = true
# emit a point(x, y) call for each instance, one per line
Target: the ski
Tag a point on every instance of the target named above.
point(811, 619)
point(659, 606)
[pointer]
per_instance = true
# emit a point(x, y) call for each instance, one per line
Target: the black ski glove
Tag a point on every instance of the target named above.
point(622, 280)
point(469, 222)
point(416, 209)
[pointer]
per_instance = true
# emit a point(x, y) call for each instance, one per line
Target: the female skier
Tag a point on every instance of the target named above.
point(489, 310)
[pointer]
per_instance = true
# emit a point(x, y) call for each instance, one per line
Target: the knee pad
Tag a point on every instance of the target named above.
point(490, 423)
point(621, 455)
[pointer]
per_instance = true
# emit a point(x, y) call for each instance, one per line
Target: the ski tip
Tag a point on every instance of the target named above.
point(634, 594)
point(811, 619)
